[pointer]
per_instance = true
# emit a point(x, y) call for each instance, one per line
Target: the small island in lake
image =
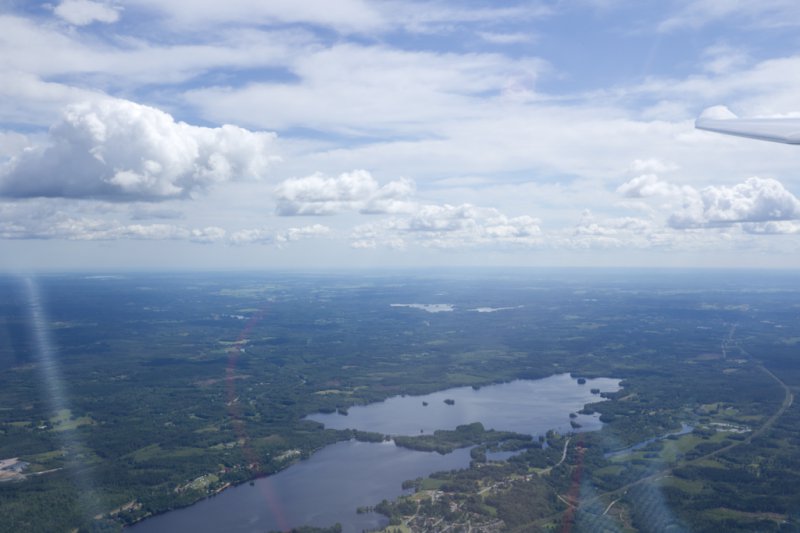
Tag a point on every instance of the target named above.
point(450, 401)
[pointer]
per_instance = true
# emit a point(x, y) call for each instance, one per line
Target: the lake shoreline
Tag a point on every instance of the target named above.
point(556, 385)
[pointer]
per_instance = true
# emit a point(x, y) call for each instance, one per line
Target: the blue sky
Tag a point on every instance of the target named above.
point(313, 134)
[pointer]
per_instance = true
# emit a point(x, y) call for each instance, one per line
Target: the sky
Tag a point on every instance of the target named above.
point(251, 134)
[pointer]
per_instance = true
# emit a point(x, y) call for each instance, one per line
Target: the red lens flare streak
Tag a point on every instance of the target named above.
point(253, 462)
point(574, 494)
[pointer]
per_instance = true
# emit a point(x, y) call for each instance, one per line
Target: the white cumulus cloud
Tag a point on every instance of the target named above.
point(304, 232)
point(121, 150)
point(756, 201)
point(648, 185)
point(266, 236)
point(773, 227)
point(449, 226)
point(610, 232)
point(350, 191)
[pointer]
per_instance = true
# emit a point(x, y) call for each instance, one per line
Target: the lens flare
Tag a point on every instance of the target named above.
point(250, 454)
point(55, 393)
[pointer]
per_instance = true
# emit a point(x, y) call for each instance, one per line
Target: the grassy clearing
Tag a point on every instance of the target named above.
point(183, 452)
point(147, 453)
point(478, 355)
point(672, 449)
point(202, 482)
point(271, 439)
point(460, 379)
point(226, 445)
point(751, 418)
point(611, 470)
point(64, 421)
point(154, 451)
point(391, 529)
point(432, 484)
point(708, 463)
point(724, 513)
point(43, 457)
point(688, 486)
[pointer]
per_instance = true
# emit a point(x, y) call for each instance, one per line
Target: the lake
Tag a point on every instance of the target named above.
point(526, 406)
point(325, 489)
point(330, 485)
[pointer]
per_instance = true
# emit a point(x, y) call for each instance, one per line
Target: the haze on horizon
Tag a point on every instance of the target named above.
point(188, 134)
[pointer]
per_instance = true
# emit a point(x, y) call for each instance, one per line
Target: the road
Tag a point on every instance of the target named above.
point(563, 454)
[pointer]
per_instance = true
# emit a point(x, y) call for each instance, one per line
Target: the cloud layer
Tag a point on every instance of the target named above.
point(408, 125)
point(46, 218)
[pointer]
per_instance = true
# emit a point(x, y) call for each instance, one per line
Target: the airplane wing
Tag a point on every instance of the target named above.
point(782, 130)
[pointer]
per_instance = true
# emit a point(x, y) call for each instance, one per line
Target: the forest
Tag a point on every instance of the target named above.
point(179, 385)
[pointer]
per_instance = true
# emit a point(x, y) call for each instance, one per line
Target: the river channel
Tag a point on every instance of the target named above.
point(329, 486)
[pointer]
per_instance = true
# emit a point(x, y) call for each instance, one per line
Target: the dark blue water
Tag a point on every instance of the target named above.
point(325, 489)
point(500, 456)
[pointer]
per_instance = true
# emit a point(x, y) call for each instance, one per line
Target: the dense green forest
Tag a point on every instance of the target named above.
point(177, 386)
